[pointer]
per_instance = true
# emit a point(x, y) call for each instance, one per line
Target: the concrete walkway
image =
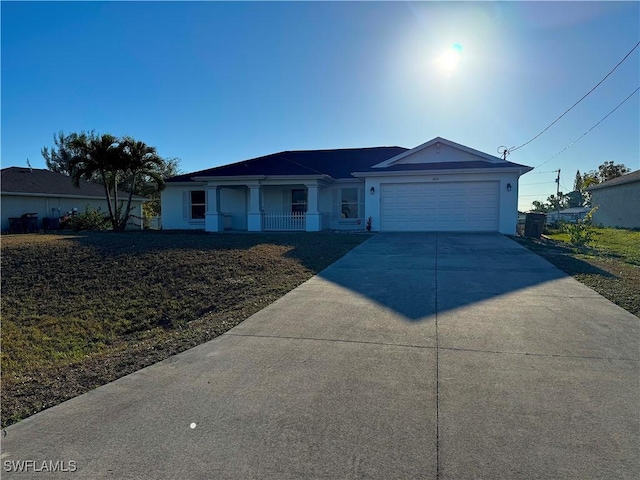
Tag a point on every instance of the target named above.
point(414, 356)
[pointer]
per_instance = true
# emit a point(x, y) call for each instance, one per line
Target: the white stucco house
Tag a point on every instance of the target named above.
point(437, 186)
point(618, 201)
point(49, 195)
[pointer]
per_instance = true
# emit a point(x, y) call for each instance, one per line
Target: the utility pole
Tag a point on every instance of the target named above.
point(558, 195)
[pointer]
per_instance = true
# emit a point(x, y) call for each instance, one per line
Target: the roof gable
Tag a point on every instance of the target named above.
point(441, 154)
point(439, 150)
point(45, 182)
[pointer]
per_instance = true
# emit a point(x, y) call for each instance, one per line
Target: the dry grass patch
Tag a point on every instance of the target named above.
point(81, 310)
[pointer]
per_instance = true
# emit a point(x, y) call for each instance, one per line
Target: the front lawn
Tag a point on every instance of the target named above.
point(81, 310)
point(610, 265)
point(611, 242)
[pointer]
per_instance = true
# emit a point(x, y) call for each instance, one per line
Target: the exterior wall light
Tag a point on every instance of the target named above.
point(508, 187)
point(372, 190)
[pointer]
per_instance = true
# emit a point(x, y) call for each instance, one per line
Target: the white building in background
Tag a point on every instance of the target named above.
point(49, 195)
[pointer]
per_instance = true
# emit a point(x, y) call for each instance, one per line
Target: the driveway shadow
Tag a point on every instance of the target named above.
point(486, 292)
point(419, 274)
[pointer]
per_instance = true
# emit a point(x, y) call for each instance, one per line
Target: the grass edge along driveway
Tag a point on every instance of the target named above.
point(610, 265)
point(81, 310)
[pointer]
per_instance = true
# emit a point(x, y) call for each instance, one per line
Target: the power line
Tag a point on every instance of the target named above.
point(540, 173)
point(572, 106)
point(539, 183)
point(585, 133)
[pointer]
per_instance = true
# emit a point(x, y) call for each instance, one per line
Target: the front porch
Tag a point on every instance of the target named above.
point(258, 204)
point(256, 207)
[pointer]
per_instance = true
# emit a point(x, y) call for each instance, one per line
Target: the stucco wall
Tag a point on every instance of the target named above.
point(173, 211)
point(508, 201)
point(277, 198)
point(55, 207)
point(618, 206)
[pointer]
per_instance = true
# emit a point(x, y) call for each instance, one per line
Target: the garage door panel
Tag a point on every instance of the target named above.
point(448, 206)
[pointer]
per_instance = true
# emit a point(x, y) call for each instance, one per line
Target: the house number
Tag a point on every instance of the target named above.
point(435, 179)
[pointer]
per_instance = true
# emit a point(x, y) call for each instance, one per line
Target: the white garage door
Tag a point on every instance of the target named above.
point(445, 207)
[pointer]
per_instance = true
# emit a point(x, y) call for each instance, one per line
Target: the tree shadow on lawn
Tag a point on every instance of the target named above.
point(110, 244)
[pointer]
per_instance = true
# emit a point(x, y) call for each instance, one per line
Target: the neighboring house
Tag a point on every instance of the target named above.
point(51, 195)
point(437, 186)
point(618, 201)
point(571, 215)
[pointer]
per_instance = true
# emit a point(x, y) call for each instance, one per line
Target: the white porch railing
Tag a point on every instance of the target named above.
point(284, 221)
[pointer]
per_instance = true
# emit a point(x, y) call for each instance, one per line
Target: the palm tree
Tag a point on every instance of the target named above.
point(116, 162)
point(97, 156)
point(140, 164)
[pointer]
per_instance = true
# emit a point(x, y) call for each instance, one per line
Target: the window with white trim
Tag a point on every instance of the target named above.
point(299, 200)
point(349, 203)
point(198, 204)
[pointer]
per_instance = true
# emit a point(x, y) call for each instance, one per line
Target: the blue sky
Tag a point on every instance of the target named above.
point(214, 83)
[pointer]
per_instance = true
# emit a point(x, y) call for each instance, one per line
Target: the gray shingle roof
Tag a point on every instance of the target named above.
point(334, 163)
point(628, 178)
point(337, 164)
point(39, 181)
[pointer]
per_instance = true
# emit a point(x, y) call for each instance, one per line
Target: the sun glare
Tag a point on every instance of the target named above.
point(450, 59)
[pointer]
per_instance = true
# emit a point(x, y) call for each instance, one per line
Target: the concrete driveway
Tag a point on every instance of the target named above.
point(451, 356)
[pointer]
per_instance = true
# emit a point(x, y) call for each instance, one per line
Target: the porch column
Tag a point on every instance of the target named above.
point(254, 214)
point(313, 216)
point(214, 221)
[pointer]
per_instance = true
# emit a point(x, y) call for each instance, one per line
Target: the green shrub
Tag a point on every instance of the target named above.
point(582, 232)
point(89, 220)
